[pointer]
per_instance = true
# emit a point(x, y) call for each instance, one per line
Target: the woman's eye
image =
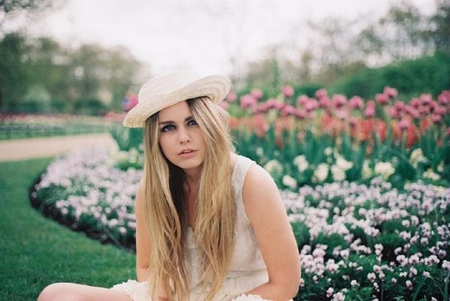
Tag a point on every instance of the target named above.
point(192, 122)
point(167, 128)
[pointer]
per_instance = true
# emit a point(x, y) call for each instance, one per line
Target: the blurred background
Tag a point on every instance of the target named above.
point(84, 57)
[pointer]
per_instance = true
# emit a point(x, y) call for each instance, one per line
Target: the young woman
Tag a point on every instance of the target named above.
point(211, 224)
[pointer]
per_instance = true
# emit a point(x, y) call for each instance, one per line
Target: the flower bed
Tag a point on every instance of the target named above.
point(84, 191)
point(358, 242)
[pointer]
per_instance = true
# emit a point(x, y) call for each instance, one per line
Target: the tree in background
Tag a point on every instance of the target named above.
point(336, 48)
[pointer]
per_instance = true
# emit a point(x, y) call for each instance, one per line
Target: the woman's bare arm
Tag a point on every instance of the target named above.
point(267, 214)
point(143, 247)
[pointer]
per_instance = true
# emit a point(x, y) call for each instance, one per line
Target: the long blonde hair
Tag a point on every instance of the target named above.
point(166, 206)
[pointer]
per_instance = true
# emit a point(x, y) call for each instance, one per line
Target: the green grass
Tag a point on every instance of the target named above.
point(35, 251)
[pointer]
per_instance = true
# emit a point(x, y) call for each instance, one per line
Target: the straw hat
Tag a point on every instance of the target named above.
point(165, 90)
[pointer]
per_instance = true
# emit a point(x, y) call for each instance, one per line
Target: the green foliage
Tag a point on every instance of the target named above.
point(37, 252)
point(70, 79)
point(14, 79)
point(411, 78)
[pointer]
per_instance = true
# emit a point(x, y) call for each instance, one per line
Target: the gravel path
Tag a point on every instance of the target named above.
point(20, 149)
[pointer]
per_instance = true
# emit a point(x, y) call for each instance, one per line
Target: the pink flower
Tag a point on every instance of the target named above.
point(130, 102)
point(288, 110)
point(436, 118)
point(390, 92)
point(330, 291)
point(287, 91)
point(248, 101)
point(339, 100)
point(404, 124)
point(224, 105)
point(425, 99)
point(413, 112)
point(324, 102)
point(376, 269)
point(446, 265)
point(321, 93)
point(444, 98)
point(302, 100)
point(369, 112)
point(409, 284)
point(382, 99)
point(311, 105)
point(256, 93)
point(371, 277)
point(231, 97)
point(415, 103)
point(356, 102)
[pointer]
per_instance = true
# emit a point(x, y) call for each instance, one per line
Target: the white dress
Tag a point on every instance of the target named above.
point(247, 269)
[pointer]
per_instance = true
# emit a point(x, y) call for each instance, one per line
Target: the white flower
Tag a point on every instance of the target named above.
point(354, 283)
point(384, 169)
point(321, 173)
point(328, 151)
point(371, 277)
point(338, 173)
point(430, 174)
point(342, 163)
point(259, 151)
point(289, 181)
point(273, 167)
point(301, 163)
point(367, 172)
point(417, 157)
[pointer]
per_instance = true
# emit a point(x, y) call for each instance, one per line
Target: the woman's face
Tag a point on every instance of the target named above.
point(180, 138)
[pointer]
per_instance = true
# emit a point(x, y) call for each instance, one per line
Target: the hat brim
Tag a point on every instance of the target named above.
point(215, 87)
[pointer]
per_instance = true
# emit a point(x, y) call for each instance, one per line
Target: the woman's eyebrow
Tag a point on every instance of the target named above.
point(171, 122)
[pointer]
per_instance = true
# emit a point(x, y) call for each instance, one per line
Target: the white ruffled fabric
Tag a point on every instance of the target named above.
point(137, 291)
point(249, 297)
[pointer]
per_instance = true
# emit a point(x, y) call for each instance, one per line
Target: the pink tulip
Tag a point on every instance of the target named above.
point(339, 100)
point(302, 114)
point(256, 93)
point(311, 105)
point(425, 99)
point(342, 114)
point(288, 110)
point(413, 112)
point(415, 103)
point(321, 93)
point(390, 92)
point(440, 110)
point(302, 100)
point(274, 103)
point(369, 112)
point(382, 99)
point(356, 102)
point(247, 101)
point(399, 105)
point(436, 118)
point(404, 124)
point(444, 98)
point(324, 102)
point(395, 113)
point(287, 91)
point(231, 97)
point(424, 110)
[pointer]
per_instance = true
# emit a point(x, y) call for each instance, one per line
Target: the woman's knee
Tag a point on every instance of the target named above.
point(59, 292)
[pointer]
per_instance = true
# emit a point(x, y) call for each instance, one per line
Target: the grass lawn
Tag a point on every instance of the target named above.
point(35, 251)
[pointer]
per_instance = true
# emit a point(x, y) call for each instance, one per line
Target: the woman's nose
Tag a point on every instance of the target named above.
point(184, 135)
